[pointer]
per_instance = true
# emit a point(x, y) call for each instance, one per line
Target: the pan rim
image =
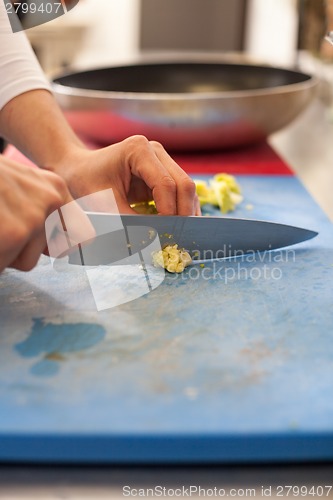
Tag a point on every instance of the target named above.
point(309, 82)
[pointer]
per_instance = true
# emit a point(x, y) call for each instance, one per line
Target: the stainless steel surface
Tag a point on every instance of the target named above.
point(307, 146)
point(203, 237)
point(184, 105)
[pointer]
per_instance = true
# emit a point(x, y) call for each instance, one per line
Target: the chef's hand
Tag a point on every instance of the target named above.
point(137, 170)
point(27, 196)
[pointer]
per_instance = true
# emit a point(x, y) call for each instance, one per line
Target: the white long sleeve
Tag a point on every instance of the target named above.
point(19, 68)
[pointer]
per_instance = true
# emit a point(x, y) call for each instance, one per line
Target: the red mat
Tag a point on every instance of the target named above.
point(260, 159)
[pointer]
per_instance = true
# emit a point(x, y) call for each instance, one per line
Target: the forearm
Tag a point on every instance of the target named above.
point(29, 116)
point(33, 122)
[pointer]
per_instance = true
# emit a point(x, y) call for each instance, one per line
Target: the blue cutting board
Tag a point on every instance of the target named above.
point(234, 365)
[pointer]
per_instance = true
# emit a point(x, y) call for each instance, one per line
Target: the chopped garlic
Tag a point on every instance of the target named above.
point(223, 196)
point(172, 258)
point(230, 182)
point(222, 191)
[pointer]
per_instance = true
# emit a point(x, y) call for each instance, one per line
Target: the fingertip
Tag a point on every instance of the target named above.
point(197, 207)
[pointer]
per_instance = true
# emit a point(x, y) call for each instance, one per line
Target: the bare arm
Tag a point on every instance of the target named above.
point(136, 169)
point(34, 123)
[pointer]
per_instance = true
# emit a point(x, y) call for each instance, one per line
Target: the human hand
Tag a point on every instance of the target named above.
point(137, 170)
point(27, 196)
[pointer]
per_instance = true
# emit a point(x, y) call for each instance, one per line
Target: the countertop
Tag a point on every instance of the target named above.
point(308, 148)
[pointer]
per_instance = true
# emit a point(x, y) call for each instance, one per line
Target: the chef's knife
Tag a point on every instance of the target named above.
point(120, 237)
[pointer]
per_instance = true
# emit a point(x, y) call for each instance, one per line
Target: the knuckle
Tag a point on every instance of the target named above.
point(56, 181)
point(189, 186)
point(168, 183)
point(157, 145)
point(55, 200)
point(138, 141)
point(60, 184)
point(56, 194)
point(36, 219)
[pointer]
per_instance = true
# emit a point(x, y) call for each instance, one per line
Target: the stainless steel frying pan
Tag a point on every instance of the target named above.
point(184, 105)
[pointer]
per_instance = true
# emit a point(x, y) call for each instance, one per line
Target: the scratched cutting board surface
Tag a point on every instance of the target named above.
point(228, 366)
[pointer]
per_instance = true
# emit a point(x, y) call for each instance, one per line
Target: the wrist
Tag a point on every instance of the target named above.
point(72, 166)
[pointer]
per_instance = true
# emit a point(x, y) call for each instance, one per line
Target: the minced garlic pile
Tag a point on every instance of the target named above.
point(172, 258)
point(222, 191)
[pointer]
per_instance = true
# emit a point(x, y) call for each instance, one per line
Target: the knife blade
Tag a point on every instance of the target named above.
point(205, 238)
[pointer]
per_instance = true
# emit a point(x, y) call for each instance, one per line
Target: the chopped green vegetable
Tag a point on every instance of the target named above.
point(222, 191)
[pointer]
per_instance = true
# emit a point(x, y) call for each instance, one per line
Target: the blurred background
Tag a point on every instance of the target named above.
point(105, 32)
point(283, 33)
